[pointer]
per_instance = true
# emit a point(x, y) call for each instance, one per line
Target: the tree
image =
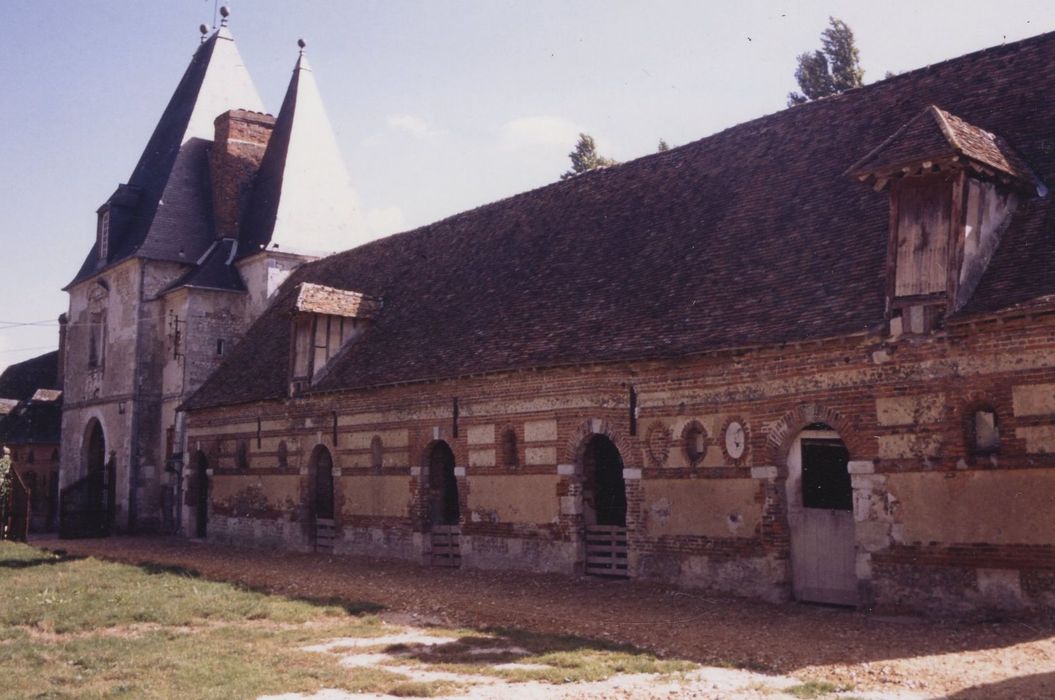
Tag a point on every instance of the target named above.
point(585, 158)
point(663, 146)
point(831, 69)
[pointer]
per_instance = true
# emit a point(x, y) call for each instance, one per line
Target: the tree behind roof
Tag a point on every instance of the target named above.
point(585, 158)
point(833, 68)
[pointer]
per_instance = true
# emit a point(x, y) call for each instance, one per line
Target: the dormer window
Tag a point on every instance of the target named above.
point(325, 320)
point(104, 236)
point(952, 188)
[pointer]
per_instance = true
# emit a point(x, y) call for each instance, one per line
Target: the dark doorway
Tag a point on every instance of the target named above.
point(87, 506)
point(825, 479)
point(322, 501)
point(443, 486)
point(603, 488)
point(201, 495)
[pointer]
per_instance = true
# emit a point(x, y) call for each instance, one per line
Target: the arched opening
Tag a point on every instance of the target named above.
point(200, 492)
point(444, 512)
point(604, 509)
point(322, 498)
point(86, 508)
point(821, 519)
point(603, 488)
point(443, 506)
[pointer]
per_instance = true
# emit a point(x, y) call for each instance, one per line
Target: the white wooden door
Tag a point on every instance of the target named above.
point(820, 513)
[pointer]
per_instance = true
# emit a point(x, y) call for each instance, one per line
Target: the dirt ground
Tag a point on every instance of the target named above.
point(930, 658)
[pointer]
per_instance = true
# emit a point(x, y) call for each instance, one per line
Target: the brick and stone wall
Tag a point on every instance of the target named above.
point(937, 527)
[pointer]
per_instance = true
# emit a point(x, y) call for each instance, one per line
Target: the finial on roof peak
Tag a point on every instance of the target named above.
point(302, 44)
point(204, 30)
point(225, 12)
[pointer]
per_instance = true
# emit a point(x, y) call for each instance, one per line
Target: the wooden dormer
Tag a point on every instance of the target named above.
point(953, 188)
point(325, 320)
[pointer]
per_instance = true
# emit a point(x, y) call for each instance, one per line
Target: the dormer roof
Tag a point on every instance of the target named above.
point(320, 299)
point(171, 216)
point(934, 136)
point(303, 200)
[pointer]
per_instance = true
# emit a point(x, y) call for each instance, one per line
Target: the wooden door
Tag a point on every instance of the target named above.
point(201, 496)
point(820, 513)
point(325, 523)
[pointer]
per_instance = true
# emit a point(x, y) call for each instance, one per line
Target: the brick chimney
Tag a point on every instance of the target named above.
point(237, 149)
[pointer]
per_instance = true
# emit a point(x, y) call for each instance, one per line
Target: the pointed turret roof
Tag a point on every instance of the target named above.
point(165, 207)
point(303, 198)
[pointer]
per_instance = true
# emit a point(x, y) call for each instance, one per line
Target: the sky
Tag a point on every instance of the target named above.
point(438, 106)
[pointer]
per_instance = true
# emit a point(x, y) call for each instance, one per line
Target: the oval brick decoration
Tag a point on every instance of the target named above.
point(658, 441)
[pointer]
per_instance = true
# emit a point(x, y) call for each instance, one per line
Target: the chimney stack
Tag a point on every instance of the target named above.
point(238, 147)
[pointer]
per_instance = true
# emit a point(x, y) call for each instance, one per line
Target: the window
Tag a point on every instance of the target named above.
point(317, 339)
point(242, 454)
point(985, 432)
point(104, 236)
point(694, 437)
point(96, 339)
point(377, 454)
point(219, 347)
point(510, 454)
point(283, 455)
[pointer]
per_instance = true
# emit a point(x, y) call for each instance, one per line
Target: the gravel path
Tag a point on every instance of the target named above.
point(877, 656)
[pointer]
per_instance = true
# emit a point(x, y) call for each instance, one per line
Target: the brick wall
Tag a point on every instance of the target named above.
point(900, 407)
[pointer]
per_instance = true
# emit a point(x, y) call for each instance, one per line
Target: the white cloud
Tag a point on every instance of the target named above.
point(413, 125)
point(384, 220)
point(542, 130)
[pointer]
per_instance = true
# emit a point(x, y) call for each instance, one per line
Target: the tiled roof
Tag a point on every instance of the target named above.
point(752, 236)
point(165, 210)
point(20, 381)
point(32, 421)
point(215, 270)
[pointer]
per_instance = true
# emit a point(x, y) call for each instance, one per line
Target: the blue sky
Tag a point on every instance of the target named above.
point(438, 106)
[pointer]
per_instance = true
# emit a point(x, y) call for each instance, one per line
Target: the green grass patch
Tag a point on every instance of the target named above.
point(87, 628)
point(813, 689)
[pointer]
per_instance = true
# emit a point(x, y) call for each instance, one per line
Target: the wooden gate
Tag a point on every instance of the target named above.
point(324, 534)
point(446, 546)
point(606, 548)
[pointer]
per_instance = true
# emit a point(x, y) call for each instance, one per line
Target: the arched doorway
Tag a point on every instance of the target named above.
point(200, 491)
point(322, 499)
point(604, 508)
point(821, 518)
point(444, 511)
point(100, 481)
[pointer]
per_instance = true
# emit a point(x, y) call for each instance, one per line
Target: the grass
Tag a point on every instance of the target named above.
point(85, 628)
point(813, 689)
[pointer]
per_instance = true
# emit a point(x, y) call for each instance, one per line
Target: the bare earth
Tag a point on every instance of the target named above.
point(753, 644)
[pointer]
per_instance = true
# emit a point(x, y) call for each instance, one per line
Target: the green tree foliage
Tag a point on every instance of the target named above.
point(585, 158)
point(5, 490)
point(663, 146)
point(831, 69)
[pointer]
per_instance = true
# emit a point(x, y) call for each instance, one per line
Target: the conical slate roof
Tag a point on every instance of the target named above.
point(303, 199)
point(164, 212)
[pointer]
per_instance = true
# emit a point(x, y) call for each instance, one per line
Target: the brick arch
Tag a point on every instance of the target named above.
point(576, 446)
point(782, 433)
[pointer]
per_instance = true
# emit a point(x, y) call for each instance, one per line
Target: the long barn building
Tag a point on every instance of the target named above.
point(811, 356)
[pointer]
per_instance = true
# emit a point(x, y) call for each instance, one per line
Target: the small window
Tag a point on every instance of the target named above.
point(283, 455)
point(96, 339)
point(219, 347)
point(242, 454)
point(104, 236)
point(694, 437)
point(377, 454)
point(510, 453)
point(986, 432)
